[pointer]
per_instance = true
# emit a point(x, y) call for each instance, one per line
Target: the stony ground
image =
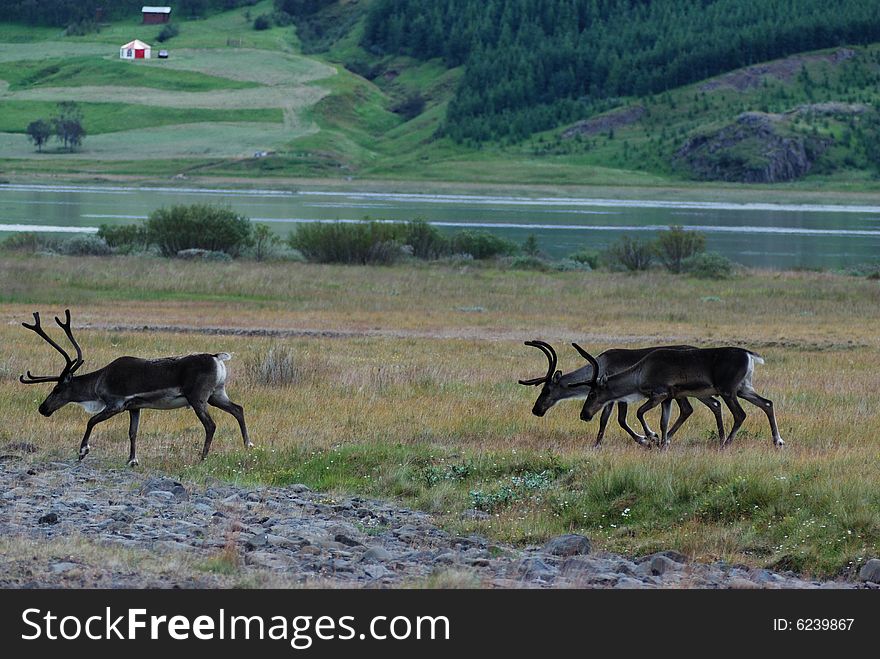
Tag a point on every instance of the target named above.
point(79, 525)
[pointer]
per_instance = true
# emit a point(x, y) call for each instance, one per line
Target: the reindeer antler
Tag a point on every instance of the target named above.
point(583, 353)
point(550, 353)
point(71, 364)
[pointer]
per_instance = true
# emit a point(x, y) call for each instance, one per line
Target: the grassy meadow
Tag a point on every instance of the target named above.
point(400, 382)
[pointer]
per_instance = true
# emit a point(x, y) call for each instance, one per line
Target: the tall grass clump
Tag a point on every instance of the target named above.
point(198, 226)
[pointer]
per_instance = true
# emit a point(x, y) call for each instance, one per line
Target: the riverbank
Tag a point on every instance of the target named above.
point(792, 193)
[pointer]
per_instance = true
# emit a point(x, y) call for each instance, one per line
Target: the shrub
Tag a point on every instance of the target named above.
point(586, 257)
point(677, 244)
point(366, 242)
point(528, 262)
point(481, 244)
point(530, 245)
point(168, 32)
point(30, 242)
point(632, 254)
point(196, 254)
point(709, 265)
point(263, 22)
point(84, 245)
point(265, 242)
point(570, 265)
point(125, 238)
point(198, 226)
point(426, 241)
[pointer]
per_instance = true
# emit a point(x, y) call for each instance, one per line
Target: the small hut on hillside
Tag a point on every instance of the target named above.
point(136, 49)
point(155, 15)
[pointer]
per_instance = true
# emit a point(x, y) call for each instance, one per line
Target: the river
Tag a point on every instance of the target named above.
point(767, 235)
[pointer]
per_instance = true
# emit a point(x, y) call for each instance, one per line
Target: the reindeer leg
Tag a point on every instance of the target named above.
point(715, 406)
point(134, 419)
point(685, 409)
point(103, 415)
point(220, 400)
point(200, 408)
point(641, 440)
point(739, 416)
point(652, 402)
point(665, 412)
point(766, 405)
point(603, 423)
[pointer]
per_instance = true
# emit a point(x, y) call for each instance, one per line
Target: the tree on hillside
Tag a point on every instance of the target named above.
point(68, 125)
point(39, 132)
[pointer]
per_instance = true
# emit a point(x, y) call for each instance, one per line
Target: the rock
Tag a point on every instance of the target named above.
point(534, 568)
point(376, 554)
point(568, 545)
point(23, 447)
point(871, 571)
point(49, 518)
point(661, 564)
point(578, 566)
point(757, 147)
point(176, 490)
point(346, 540)
point(447, 558)
point(376, 571)
point(299, 488)
point(60, 568)
point(257, 540)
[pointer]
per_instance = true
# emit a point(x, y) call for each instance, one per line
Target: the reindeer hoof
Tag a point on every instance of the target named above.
point(133, 462)
point(249, 445)
point(83, 452)
point(779, 443)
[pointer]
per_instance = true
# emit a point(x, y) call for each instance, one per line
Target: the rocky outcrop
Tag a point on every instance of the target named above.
point(76, 525)
point(755, 148)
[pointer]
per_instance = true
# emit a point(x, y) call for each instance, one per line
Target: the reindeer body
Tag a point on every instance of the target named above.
point(130, 384)
point(665, 375)
point(557, 386)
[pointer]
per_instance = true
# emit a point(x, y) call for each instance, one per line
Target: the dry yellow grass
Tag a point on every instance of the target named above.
point(412, 378)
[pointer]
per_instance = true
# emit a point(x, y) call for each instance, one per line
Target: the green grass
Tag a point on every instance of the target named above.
point(99, 118)
point(93, 71)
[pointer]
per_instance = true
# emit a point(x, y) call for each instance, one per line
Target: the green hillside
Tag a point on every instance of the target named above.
point(324, 93)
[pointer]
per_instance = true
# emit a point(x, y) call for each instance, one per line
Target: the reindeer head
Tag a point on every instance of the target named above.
point(553, 390)
point(59, 396)
point(597, 384)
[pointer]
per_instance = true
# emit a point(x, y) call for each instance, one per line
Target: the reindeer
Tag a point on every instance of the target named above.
point(558, 386)
point(664, 375)
point(130, 384)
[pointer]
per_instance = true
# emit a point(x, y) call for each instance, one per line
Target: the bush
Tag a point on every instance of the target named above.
point(168, 32)
point(265, 243)
point(199, 226)
point(709, 265)
point(426, 241)
point(632, 254)
point(586, 257)
point(125, 238)
point(30, 242)
point(570, 265)
point(481, 244)
point(677, 244)
point(529, 262)
point(366, 242)
point(263, 22)
point(84, 245)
